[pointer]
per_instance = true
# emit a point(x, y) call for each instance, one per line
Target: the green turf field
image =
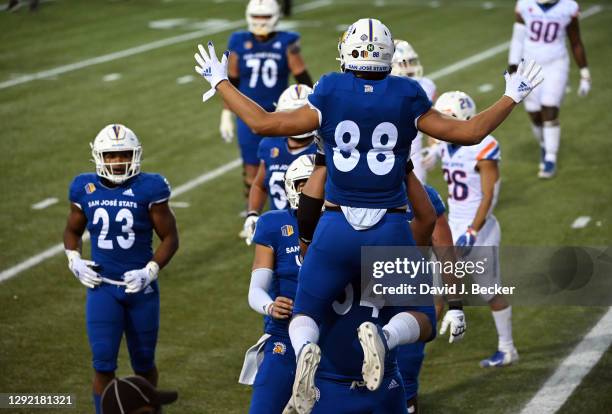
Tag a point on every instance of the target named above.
point(206, 324)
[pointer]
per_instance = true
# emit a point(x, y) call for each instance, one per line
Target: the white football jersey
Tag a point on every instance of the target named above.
point(545, 36)
point(428, 86)
point(459, 170)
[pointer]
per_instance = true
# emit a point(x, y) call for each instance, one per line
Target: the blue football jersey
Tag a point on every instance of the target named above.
point(277, 157)
point(278, 229)
point(118, 219)
point(367, 129)
point(264, 70)
point(435, 199)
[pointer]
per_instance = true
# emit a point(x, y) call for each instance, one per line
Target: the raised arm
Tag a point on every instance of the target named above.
point(287, 123)
point(474, 130)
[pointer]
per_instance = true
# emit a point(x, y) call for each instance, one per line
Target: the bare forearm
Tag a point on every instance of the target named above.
point(481, 213)
point(166, 250)
point(579, 55)
point(488, 120)
point(72, 240)
point(248, 110)
point(257, 198)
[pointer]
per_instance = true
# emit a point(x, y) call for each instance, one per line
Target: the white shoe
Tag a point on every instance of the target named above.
point(501, 359)
point(373, 343)
point(304, 394)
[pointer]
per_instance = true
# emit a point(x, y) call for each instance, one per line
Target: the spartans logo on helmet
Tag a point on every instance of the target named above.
point(116, 152)
point(366, 46)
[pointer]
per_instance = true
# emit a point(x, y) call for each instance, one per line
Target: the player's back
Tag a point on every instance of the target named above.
point(263, 66)
point(546, 24)
point(277, 229)
point(118, 219)
point(277, 157)
point(459, 167)
point(367, 128)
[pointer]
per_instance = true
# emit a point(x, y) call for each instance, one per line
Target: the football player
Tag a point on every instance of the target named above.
point(472, 174)
point(272, 291)
point(275, 156)
point(406, 63)
point(261, 60)
point(120, 207)
point(367, 121)
point(539, 32)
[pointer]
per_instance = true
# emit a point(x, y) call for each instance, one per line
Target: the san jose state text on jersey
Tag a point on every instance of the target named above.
point(277, 156)
point(118, 219)
point(367, 128)
point(263, 66)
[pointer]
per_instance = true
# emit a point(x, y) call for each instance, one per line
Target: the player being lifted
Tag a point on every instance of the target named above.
point(273, 284)
point(539, 32)
point(367, 121)
point(472, 174)
point(406, 63)
point(120, 207)
point(261, 60)
point(275, 155)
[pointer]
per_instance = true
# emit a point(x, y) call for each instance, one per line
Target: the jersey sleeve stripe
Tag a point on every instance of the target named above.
point(486, 150)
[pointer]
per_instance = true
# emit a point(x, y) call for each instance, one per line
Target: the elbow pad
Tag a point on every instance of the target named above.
point(308, 214)
point(516, 44)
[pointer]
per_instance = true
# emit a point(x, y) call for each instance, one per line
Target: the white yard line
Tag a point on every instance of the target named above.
point(34, 260)
point(581, 222)
point(570, 373)
point(145, 48)
point(45, 203)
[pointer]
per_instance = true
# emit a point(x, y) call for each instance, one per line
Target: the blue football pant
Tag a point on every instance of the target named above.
point(274, 379)
point(109, 313)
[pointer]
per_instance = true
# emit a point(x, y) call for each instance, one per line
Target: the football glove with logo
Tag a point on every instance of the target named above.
point(455, 319)
point(137, 280)
point(82, 269)
point(213, 70)
point(523, 81)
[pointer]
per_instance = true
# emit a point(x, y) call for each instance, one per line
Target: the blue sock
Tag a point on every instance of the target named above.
point(96, 399)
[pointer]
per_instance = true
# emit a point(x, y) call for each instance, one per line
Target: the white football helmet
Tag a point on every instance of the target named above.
point(294, 97)
point(262, 16)
point(366, 46)
point(406, 61)
point(457, 104)
point(300, 169)
point(116, 138)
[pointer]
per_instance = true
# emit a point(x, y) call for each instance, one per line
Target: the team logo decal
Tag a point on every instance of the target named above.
point(364, 54)
point(364, 37)
point(370, 47)
point(274, 152)
point(355, 54)
point(368, 88)
point(279, 348)
point(248, 44)
point(90, 188)
point(287, 230)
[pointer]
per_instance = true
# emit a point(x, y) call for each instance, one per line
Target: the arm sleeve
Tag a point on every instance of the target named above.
point(160, 191)
point(259, 299)
point(263, 233)
point(516, 44)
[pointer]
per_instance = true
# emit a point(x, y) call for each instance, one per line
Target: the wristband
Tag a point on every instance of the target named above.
point(585, 73)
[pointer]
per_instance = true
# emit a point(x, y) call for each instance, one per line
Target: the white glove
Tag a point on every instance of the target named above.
point(137, 280)
point(585, 82)
point(226, 127)
point(523, 81)
point(249, 227)
point(209, 66)
point(429, 156)
point(456, 319)
point(82, 269)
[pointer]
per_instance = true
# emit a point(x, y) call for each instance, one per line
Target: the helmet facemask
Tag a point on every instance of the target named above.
point(117, 172)
point(262, 16)
point(297, 172)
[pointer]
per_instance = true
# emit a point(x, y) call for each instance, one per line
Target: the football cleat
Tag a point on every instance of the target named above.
point(304, 393)
point(549, 170)
point(373, 342)
point(500, 359)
